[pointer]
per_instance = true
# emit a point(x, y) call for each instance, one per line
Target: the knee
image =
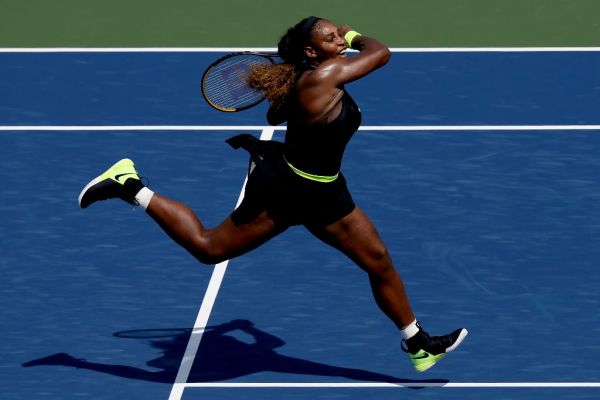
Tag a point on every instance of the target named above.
point(209, 259)
point(206, 252)
point(378, 252)
point(379, 262)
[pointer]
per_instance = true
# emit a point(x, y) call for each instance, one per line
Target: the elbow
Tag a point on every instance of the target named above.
point(385, 55)
point(271, 121)
point(380, 56)
point(271, 117)
point(274, 120)
point(276, 116)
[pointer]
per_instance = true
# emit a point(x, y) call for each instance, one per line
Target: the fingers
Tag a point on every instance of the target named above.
point(343, 29)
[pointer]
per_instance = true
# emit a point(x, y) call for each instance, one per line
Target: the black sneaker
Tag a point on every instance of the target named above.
point(119, 181)
point(424, 350)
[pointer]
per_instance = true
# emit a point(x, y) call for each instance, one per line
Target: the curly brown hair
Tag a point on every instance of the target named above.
point(277, 81)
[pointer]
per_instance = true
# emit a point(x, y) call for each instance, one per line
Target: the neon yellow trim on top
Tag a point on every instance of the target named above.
point(312, 177)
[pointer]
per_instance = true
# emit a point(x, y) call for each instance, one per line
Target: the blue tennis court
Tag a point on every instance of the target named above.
point(479, 168)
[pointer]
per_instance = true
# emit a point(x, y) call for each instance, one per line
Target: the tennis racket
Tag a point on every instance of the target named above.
point(224, 84)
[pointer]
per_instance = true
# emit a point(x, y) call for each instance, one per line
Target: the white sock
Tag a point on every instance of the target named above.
point(143, 197)
point(410, 330)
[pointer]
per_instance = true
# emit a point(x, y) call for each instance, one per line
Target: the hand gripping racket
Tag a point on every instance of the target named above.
point(224, 84)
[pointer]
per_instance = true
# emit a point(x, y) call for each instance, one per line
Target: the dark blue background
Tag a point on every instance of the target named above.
point(495, 231)
point(468, 88)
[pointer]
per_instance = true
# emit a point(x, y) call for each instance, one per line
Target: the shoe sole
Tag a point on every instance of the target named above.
point(463, 334)
point(425, 366)
point(86, 188)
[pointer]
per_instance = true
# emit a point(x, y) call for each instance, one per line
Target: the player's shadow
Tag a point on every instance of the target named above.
point(223, 357)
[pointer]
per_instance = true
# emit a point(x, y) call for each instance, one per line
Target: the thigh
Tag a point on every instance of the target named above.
point(211, 245)
point(230, 239)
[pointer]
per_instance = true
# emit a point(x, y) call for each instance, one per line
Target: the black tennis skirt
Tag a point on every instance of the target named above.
point(287, 197)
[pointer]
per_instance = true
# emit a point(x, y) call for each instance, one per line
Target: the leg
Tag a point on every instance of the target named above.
point(356, 236)
point(178, 220)
point(210, 246)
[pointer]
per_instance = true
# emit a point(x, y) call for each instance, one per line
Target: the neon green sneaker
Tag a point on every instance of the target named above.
point(424, 350)
point(119, 181)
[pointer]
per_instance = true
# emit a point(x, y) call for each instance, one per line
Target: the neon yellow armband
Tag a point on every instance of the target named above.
point(350, 36)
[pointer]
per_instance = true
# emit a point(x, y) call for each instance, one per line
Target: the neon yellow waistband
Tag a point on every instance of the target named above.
point(312, 177)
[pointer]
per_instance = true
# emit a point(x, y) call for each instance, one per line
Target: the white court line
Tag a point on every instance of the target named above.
point(205, 309)
point(99, 128)
point(272, 49)
point(415, 384)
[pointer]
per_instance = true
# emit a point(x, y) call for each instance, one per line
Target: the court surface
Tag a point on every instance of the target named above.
point(479, 168)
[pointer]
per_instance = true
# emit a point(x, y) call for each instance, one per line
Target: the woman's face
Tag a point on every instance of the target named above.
point(325, 42)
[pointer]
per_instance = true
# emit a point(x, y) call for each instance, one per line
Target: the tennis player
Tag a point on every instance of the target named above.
point(297, 182)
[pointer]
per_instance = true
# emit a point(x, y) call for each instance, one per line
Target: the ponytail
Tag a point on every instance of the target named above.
point(277, 81)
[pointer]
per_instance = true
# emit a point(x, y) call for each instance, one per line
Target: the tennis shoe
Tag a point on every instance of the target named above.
point(119, 181)
point(424, 350)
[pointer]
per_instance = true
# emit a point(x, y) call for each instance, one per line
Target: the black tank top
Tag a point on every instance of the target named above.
point(318, 148)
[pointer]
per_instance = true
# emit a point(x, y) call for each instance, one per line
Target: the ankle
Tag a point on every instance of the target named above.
point(417, 342)
point(131, 188)
point(410, 330)
point(143, 197)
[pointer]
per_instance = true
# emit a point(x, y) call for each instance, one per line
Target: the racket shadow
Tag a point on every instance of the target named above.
point(222, 357)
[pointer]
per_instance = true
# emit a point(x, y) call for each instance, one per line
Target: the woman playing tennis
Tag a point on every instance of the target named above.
point(297, 182)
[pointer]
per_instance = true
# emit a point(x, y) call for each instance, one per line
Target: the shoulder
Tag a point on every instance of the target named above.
point(324, 75)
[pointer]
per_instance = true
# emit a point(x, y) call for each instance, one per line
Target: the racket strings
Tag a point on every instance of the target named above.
point(225, 86)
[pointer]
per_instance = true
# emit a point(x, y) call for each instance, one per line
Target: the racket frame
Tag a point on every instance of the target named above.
point(267, 56)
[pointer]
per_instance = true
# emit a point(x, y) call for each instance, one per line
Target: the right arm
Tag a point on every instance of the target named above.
point(336, 72)
point(372, 55)
point(321, 86)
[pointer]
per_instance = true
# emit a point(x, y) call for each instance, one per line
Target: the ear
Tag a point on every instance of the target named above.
point(310, 52)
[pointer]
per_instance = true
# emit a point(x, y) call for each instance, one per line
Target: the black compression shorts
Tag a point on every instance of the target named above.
point(288, 198)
